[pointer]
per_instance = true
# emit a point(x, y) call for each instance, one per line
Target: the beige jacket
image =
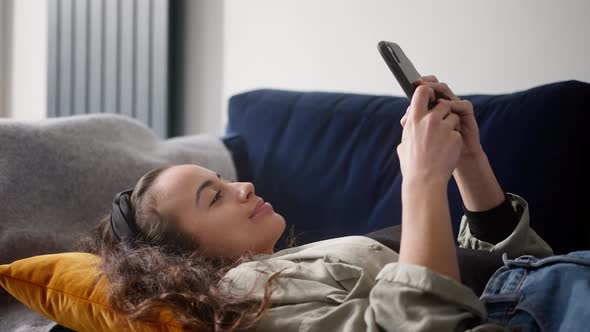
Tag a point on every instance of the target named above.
point(354, 283)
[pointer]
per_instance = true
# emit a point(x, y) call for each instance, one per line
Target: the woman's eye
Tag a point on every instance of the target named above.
point(216, 197)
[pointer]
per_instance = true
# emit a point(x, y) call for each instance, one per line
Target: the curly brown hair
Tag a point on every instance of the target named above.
point(161, 269)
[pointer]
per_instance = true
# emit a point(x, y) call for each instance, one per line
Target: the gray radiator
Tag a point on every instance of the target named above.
point(109, 56)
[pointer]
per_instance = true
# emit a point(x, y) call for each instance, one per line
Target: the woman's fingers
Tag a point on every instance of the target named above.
point(462, 107)
point(442, 109)
point(419, 105)
point(442, 90)
point(454, 121)
point(446, 110)
point(458, 107)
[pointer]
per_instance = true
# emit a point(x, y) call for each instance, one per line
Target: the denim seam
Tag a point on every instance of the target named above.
point(522, 279)
point(513, 291)
point(530, 310)
point(500, 298)
point(532, 262)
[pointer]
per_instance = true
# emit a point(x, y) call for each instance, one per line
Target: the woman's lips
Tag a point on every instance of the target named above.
point(261, 208)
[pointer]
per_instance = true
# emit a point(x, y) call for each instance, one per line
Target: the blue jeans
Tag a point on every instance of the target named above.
point(549, 294)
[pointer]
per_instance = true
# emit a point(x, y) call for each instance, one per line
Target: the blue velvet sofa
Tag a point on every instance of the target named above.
point(328, 163)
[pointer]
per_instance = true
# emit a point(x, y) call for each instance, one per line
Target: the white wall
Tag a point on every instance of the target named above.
point(234, 45)
point(201, 71)
point(5, 11)
point(28, 83)
point(475, 46)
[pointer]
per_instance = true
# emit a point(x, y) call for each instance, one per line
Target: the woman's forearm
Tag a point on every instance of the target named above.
point(478, 185)
point(427, 236)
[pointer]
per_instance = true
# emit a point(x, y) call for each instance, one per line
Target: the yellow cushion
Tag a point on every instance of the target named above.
point(67, 289)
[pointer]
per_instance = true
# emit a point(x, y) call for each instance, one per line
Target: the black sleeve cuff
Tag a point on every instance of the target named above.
point(493, 225)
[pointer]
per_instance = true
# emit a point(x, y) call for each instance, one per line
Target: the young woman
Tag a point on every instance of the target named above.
point(186, 240)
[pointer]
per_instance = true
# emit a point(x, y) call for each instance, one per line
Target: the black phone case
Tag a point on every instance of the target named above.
point(394, 65)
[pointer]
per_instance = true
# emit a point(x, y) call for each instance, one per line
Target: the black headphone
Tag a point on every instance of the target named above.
point(123, 217)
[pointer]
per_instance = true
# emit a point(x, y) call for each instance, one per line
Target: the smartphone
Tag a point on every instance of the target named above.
point(401, 67)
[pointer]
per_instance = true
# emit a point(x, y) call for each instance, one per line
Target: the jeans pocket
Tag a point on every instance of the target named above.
point(549, 294)
point(504, 310)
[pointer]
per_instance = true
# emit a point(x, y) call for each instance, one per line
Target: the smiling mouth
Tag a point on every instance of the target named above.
point(258, 206)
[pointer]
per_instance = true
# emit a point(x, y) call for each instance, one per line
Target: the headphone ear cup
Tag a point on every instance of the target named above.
point(123, 216)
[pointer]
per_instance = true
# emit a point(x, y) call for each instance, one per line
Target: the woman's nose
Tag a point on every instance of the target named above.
point(246, 191)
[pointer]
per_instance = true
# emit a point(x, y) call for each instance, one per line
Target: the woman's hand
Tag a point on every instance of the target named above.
point(429, 151)
point(464, 109)
point(479, 187)
point(431, 142)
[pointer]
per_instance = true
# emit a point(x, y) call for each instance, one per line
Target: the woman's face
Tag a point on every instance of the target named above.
point(225, 218)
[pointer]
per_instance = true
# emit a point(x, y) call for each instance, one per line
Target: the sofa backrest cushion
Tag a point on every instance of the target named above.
point(58, 176)
point(328, 162)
